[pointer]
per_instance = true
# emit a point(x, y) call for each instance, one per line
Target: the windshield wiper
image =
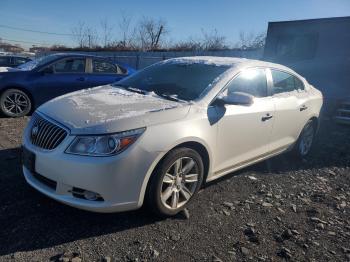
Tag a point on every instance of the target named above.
point(133, 89)
point(171, 97)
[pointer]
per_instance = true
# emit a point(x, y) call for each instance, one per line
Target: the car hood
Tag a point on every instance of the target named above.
point(108, 109)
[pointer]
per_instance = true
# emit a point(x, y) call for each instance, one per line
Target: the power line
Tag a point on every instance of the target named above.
point(26, 42)
point(34, 31)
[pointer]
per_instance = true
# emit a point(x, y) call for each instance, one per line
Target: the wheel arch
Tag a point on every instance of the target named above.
point(194, 144)
point(316, 122)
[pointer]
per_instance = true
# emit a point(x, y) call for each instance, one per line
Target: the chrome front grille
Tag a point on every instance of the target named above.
point(45, 134)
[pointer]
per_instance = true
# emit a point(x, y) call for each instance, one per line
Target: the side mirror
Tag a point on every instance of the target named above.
point(236, 98)
point(47, 70)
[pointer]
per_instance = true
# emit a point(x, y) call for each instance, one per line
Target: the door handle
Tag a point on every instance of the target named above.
point(267, 117)
point(81, 79)
point(303, 107)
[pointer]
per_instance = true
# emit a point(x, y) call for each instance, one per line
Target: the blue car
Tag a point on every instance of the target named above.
point(26, 87)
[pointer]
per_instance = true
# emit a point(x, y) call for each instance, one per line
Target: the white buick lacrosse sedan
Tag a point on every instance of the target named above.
point(158, 135)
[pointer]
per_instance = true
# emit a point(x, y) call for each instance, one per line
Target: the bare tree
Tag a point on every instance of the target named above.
point(85, 36)
point(251, 41)
point(151, 33)
point(92, 37)
point(188, 45)
point(78, 33)
point(213, 40)
point(106, 32)
point(128, 34)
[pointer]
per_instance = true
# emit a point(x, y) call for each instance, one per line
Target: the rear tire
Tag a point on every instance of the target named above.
point(175, 181)
point(305, 141)
point(15, 103)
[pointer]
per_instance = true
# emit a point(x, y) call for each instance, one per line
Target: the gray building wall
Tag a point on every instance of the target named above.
point(318, 49)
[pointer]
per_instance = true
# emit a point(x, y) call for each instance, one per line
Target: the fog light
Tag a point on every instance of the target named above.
point(90, 195)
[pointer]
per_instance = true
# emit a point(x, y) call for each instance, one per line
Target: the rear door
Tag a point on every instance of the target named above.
point(104, 72)
point(290, 99)
point(244, 130)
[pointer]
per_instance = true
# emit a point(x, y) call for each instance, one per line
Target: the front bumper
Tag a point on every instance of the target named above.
point(119, 180)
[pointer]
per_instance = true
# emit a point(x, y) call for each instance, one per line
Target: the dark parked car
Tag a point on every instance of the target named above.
point(13, 61)
point(26, 87)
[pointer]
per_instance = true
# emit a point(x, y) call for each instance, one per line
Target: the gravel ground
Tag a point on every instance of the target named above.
point(277, 210)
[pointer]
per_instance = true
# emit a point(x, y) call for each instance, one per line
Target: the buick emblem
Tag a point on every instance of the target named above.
point(35, 131)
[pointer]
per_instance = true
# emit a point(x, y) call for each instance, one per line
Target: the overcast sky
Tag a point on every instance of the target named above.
point(185, 18)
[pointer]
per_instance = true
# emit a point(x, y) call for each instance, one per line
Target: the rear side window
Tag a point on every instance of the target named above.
point(75, 65)
point(103, 67)
point(298, 84)
point(284, 82)
point(250, 81)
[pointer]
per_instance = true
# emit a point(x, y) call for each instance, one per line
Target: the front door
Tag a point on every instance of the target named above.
point(244, 130)
point(65, 76)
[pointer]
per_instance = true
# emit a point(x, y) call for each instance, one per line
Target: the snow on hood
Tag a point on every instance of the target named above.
point(108, 109)
point(8, 69)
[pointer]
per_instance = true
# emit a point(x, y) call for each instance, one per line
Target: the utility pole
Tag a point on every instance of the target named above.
point(89, 41)
point(158, 35)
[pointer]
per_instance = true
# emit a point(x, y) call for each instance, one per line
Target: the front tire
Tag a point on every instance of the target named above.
point(305, 141)
point(175, 181)
point(15, 103)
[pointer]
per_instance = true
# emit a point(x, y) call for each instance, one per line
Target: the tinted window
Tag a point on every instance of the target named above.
point(284, 82)
point(186, 81)
point(103, 67)
point(75, 65)
point(251, 81)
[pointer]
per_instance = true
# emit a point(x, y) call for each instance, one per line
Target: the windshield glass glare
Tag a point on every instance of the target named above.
point(37, 62)
point(179, 80)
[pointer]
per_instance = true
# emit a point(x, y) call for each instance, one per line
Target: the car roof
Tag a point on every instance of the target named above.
point(225, 61)
point(78, 55)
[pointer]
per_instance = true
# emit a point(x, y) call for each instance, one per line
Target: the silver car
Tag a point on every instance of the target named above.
point(157, 136)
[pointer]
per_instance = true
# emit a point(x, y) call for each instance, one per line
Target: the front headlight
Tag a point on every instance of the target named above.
point(104, 145)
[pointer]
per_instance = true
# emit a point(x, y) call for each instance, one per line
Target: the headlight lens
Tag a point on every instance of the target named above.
point(105, 145)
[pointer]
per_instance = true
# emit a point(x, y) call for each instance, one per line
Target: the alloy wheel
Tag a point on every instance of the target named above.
point(179, 183)
point(15, 103)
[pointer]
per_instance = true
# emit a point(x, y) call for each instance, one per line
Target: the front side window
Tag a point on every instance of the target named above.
point(74, 65)
point(284, 82)
point(250, 81)
point(103, 67)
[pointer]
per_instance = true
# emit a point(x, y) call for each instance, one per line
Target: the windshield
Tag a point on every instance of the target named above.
point(37, 62)
point(181, 81)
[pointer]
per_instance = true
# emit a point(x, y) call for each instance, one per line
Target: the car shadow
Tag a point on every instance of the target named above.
point(31, 221)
